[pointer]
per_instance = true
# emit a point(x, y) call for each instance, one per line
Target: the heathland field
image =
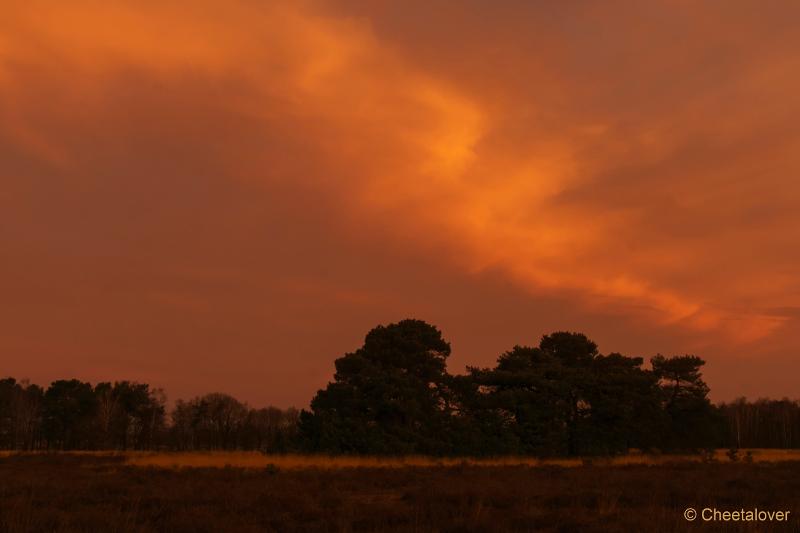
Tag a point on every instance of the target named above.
point(253, 492)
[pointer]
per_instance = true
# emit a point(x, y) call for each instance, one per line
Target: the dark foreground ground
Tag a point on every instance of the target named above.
point(89, 493)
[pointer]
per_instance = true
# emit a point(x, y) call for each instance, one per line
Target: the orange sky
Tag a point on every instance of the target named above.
point(228, 195)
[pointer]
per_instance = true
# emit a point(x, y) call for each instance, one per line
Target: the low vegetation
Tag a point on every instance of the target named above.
point(60, 492)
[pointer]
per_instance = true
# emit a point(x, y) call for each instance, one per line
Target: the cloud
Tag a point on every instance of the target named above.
point(422, 158)
point(633, 169)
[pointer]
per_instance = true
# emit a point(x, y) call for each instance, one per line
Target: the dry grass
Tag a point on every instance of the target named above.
point(104, 492)
point(243, 459)
point(258, 460)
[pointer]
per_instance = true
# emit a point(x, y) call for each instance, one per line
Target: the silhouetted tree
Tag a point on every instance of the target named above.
point(220, 422)
point(692, 422)
point(624, 411)
point(564, 398)
point(270, 430)
point(527, 393)
point(391, 396)
point(20, 414)
point(761, 424)
point(213, 421)
point(68, 411)
point(129, 414)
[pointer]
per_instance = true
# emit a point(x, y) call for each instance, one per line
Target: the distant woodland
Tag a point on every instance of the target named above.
point(394, 396)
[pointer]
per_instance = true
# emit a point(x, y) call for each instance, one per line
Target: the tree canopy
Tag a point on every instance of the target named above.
point(390, 396)
point(562, 397)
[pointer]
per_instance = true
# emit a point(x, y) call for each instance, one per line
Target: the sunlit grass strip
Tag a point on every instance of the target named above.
point(257, 460)
point(222, 459)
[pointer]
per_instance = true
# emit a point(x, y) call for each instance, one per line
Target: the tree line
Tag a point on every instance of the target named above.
point(762, 424)
point(394, 396)
point(74, 415)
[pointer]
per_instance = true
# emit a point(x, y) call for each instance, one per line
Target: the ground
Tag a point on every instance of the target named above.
point(118, 492)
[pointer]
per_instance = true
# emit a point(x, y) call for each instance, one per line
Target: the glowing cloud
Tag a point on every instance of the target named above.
point(603, 170)
point(410, 152)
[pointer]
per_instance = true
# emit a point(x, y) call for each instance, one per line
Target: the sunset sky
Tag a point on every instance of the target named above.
point(226, 196)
